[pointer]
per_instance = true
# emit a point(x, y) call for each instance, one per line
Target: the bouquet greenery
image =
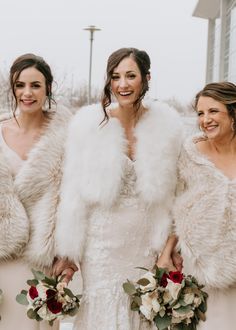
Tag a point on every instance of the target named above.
point(48, 298)
point(171, 300)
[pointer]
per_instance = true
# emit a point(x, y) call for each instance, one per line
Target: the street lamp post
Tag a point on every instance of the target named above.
point(91, 29)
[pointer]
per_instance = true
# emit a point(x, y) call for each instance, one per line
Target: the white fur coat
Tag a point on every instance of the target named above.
point(94, 168)
point(28, 203)
point(205, 219)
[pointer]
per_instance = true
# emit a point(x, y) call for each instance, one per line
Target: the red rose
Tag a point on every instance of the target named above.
point(54, 306)
point(33, 292)
point(51, 293)
point(163, 281)
point(176, 277)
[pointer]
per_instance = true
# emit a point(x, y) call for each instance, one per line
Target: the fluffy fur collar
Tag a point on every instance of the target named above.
point(37, 187)
point(99, 153)
point(94, 167)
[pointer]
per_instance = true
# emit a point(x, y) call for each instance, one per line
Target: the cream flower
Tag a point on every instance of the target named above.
point(197, 301)
point(150, 305)
point(152, 282)
point(45, 314)
point(61, 286)
point(179, 317)
point(188, 298)
point(42, 291)
point(173, 289)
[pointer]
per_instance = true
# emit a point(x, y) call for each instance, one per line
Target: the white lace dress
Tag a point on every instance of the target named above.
point(117, 242)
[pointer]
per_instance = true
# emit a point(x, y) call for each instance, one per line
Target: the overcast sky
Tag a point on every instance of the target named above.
point(175, 40)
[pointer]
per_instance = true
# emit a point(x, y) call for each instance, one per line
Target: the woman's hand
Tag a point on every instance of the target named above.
point(165, 261)
point(177, 260)
point(63, 266)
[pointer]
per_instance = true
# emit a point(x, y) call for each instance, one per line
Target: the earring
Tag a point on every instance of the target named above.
point(232, 125)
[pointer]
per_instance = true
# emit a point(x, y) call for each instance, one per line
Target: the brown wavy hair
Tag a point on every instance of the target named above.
point(223, 92)
point(27, 61)
point(143, 62)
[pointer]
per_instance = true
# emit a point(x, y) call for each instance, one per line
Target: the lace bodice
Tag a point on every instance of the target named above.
point(117, 243)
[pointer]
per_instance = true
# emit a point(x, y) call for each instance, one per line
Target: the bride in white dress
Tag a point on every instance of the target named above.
point(118, 185)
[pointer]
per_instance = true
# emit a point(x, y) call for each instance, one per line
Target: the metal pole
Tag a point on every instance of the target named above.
point(91, 29)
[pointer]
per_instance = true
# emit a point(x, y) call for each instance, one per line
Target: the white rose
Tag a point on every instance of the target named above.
point(45, 314)
point(42, 291)
point(150, 305)
point(197, 301)
point(148, 313)
point(152, 282)
point(61, 286)
point(188, 298)
point(173, 289)
point(167, 297)
point(179, 317)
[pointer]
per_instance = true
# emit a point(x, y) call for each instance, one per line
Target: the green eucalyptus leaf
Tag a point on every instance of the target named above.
point(142, 268)
point(184, 309)
point(33, 282)
point(73, 311)
point(32, 314)
point(129, 288)
point(143, 281)
point(162, 323)
point(22, 299)
point(68, 292)
point(50, 281)
point(38, 275)
point(24, 292)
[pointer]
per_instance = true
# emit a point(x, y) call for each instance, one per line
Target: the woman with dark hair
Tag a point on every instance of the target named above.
point(31, 152)
point(118, 187)
point(205, 206)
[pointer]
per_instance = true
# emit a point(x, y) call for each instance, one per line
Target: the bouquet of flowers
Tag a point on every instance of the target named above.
point(48, 298)
point(171, 300)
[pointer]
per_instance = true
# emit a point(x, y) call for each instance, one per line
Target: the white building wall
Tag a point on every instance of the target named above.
point(221, 50)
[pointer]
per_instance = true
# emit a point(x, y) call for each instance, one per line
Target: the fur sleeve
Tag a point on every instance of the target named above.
point(14, 224)
point(71, 222)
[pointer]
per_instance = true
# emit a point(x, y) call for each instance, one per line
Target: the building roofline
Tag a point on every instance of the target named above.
point(208, 9)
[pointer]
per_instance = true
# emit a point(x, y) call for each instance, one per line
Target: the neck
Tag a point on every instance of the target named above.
point(129, 116)
point(31, 121)
point(223, 146)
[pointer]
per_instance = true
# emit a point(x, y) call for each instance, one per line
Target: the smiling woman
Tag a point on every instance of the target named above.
point(31, 151)
point(118, 186)
point(205, 206)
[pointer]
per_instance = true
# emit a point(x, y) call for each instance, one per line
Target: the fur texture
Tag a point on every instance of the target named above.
point(14, 224)
point(37, 187)
point(205, 213)
point(94, 168)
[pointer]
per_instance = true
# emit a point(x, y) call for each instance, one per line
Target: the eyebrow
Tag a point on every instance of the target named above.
point(32, 82)
point(130, 71)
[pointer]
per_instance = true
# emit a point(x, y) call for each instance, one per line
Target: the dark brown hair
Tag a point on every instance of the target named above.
point(223, 92)
point(143, 62)
point(27, 61)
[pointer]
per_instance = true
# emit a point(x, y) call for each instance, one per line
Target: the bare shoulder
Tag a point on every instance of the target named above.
point(8, 124)
point(203, 146)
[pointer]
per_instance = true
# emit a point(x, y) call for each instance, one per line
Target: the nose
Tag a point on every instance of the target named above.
point(206, 118)
point(123, 82)
point(27, 91)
